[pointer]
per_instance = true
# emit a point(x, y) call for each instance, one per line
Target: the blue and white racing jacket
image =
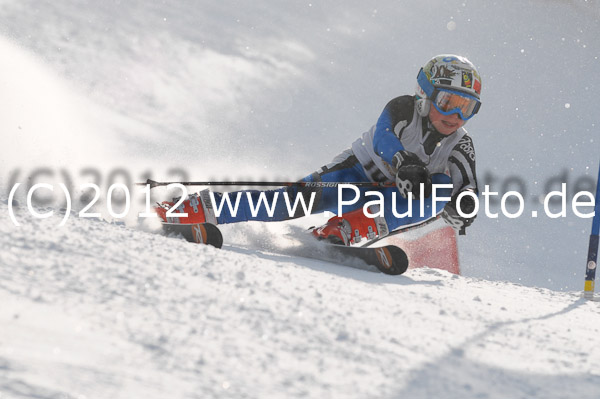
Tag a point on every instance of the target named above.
point(401, 128)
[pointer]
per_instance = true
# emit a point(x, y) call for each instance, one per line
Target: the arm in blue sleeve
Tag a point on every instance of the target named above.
point(385, 141)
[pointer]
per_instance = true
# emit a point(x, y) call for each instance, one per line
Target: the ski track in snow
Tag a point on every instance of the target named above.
point(98, 310)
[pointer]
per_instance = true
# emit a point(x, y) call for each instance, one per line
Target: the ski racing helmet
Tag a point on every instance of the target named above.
point(452, 84)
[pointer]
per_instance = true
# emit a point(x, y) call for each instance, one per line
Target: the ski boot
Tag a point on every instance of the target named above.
point(197, 206)
point(351, 228)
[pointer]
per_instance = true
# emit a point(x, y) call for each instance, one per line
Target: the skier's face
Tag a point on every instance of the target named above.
point(445, 124)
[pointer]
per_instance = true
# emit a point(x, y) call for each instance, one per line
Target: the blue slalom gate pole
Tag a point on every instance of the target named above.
point(592, 260)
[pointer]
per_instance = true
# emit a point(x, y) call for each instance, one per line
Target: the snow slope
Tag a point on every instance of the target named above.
point(104, 311)
point(118, 91)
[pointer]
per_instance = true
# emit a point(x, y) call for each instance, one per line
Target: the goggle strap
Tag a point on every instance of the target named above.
point(425, 84)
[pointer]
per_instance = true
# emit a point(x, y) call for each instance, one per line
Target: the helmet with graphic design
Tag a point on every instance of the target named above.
point(452, 84)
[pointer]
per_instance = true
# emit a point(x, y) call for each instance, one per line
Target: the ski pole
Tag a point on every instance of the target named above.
point(316, 184)
point(592, 259)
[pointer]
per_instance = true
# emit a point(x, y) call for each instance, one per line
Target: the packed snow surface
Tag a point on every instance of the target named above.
point(100, 310)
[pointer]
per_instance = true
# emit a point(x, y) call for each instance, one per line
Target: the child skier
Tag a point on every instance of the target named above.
point(417, 140)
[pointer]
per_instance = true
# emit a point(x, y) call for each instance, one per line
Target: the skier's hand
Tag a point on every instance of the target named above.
point(405, 158)
point(451, 216)
point(411, 173)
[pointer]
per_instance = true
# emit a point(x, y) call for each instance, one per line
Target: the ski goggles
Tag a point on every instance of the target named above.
point(449, 102)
